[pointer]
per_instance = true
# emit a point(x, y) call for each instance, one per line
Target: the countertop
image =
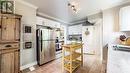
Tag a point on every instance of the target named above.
point(118, 61)
point(72, 45)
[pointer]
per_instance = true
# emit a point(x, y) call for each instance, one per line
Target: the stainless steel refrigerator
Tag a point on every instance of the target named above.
point(45, 45)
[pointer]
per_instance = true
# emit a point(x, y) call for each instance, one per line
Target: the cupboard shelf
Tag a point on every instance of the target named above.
point(72, 46)
point(75, 55)
point(75, 64)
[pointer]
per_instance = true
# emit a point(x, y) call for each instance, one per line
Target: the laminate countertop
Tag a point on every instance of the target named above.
point(118, 61)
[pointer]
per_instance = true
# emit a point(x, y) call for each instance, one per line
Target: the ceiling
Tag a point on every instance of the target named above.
point(60, 10)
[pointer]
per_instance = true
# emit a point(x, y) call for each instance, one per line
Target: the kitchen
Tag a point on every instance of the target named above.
point(45, 33)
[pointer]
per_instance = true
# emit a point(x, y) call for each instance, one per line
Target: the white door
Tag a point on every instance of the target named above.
point(88, 39)
point(93, 40)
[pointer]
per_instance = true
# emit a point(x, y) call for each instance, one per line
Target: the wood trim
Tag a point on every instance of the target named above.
point(19, 25)
point(17, 61)
point(0, 28)
point(0, 61)
point(6, 42)
point(4, 51)
point(11, 15)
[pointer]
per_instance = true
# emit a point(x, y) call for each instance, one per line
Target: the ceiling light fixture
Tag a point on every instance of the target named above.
point(73, 7)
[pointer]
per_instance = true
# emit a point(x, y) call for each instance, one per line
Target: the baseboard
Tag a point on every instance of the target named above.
point(28, 65)
point(89, 53)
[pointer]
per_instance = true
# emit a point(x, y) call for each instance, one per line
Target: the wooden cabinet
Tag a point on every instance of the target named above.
point(9, 61)
point(9, 27)
point(9, 43)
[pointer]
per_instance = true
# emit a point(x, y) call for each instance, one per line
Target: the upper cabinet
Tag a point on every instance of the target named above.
point(47, 22)
point(9, 27)
point(75, 29)
point(124, 18)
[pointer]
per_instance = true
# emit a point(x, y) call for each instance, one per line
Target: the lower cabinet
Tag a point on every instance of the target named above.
point(9, 61)
point(118, 60)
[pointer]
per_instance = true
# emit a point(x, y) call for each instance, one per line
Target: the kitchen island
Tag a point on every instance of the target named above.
point(118, 60)
point(72, 61)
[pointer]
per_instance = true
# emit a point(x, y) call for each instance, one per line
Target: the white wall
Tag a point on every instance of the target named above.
point(27, 56)
point(54, 24)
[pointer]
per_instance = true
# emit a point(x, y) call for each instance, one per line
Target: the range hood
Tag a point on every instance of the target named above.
point(87, 23)
point(84, 22)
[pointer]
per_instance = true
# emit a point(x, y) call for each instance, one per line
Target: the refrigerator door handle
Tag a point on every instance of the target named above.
point(41, 40)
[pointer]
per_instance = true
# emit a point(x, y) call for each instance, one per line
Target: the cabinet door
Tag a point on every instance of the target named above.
point(17, 61)
point(7, 63)
point(17, 29)
point(76, 29)
point(124, 18)
point(8, 29)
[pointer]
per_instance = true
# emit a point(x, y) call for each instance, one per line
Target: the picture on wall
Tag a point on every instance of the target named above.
point(28, 45)
point(7, 6)
point(28, 29)
point(10, 7)
point(3, 7)
point(27, 36)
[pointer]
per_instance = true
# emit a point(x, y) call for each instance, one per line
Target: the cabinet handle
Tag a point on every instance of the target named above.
point(8, 46)
point(0, 26)
point(41, 41)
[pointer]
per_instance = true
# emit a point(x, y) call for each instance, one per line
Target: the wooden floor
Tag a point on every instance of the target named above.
point(92, 64)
